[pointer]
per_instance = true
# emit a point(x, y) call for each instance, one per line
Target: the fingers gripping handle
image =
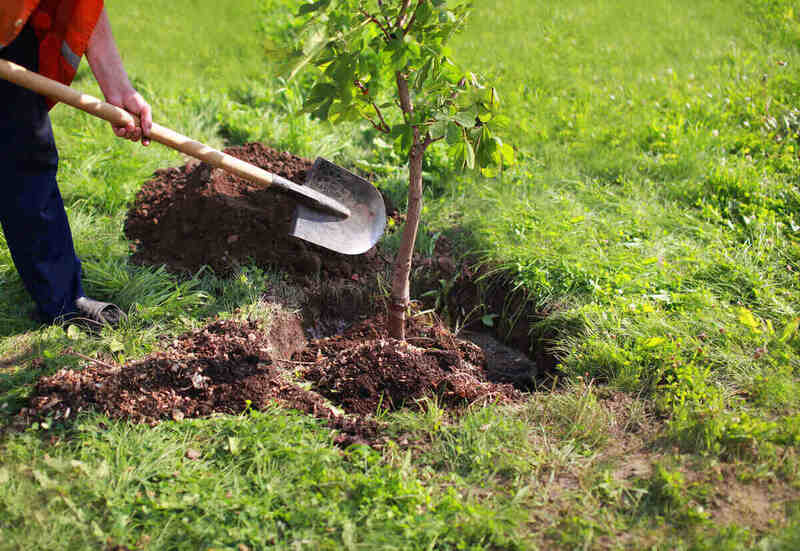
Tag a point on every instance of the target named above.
point(119, 117)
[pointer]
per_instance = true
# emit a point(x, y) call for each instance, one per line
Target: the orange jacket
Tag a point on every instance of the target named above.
point(63, 28)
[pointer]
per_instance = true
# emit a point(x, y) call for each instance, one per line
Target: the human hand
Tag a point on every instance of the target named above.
point(135, 104)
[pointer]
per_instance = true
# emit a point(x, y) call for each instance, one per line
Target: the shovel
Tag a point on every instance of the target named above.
point(339, 210)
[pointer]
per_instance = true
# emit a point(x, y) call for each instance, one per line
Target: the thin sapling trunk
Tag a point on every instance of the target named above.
point(401, 272)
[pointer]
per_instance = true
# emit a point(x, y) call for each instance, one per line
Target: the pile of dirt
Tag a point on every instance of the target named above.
point(225, 367)
point(196, 215)
point(230, 366)
point(220, 368)
point(364, 371)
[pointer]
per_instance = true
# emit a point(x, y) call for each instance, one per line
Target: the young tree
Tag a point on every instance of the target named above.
point(387, 61)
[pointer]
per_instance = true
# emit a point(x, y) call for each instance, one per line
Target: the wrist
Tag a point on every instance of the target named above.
point(118, 93)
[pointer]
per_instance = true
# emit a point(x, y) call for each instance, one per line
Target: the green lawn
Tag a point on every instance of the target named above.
point(652, 221)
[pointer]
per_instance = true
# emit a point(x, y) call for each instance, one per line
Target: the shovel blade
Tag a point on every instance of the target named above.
point(353, 235)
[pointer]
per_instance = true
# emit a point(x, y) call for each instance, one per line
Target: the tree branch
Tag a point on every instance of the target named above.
point(400, 21)
point(374, 19)
point(378, 127)
point(385, 127)
point(405, 95)
point(413, 18)
point(429, 140)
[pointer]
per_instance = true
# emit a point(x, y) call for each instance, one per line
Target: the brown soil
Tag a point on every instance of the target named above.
point(225, 367)
point(196, 215)
point(364, 371)
point(230, 366)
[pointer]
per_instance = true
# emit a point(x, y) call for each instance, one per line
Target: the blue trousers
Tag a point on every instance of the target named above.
point(32, 212)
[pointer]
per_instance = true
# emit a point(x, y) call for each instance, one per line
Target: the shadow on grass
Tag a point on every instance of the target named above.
point(16, 309)
point(18, 373)
point(486, 301)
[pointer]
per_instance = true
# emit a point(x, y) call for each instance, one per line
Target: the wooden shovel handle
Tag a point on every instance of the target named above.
point(47, 87)
point(117, 116)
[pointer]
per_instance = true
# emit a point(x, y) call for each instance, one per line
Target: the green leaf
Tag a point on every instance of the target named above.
point(789, 331)
point(322, 111)
point(413, 47)
point(489, 172)
point(438, 128)
point(398, 130)
point(343, 111)
point(423, 74)
point(424, 15)
point(342, 72)
point(407, 139)
point(470, 159)
point(466, 118)
point(494, 98)
point(506, 152)
point(320, 92)
point(747, 318)
point(73, 333)
point(313, 6)
point(233, 445)
point(463, 154)
point(399, 60)
point(454, 134)
point(486, 148)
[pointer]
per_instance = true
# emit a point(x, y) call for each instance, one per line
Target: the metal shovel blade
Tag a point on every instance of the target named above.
point(353, 235)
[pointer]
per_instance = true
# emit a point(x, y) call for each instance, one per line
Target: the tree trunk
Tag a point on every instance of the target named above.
point(402, 264)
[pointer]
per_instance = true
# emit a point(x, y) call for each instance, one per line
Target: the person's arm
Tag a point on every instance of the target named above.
point(106, 64)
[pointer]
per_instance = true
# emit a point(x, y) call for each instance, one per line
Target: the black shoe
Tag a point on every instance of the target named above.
point(96, 312)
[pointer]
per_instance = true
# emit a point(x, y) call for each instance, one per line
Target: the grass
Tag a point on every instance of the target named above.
point(651, 219)
point(676, 245)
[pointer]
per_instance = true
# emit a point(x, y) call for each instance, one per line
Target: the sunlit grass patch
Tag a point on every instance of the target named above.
point(261, 479)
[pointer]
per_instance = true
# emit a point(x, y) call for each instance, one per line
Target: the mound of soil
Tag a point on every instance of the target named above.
point(220, 368)
point(228, 367)
point(196, 215)
point(364, 371)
